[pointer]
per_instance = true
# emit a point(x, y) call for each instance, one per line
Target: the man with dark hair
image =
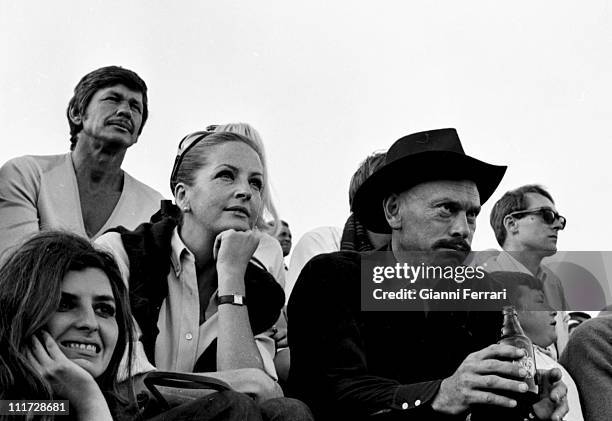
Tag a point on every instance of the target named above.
point(284, 238)
point(513, 201)
point(99, 79)
point(84, 191)
point(526, 225)
point(347, 363)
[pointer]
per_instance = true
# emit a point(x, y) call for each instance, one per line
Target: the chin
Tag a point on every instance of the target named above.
point(235, 225)
point(551, 250)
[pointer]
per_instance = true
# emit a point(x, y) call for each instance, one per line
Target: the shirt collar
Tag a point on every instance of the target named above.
point(178, 248)
point(505, 259)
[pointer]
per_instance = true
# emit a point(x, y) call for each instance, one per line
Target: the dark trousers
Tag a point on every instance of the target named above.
point(220, 406)
point(235, 406)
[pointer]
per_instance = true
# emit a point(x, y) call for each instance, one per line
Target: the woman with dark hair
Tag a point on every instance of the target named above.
point(201, 304)
point(65, 325)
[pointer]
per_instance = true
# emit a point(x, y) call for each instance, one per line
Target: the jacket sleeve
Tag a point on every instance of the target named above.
point(19, 185)
point(588, 359)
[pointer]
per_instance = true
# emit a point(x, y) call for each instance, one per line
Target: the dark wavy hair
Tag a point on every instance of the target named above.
point(30, 291)
point(99, 79)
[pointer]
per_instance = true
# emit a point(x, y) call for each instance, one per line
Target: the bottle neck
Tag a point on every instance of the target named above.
point(511, 326)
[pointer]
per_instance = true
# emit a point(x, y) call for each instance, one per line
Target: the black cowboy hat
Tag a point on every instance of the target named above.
point(417, 158)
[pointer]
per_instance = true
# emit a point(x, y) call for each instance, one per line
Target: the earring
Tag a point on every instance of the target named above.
point(186, 209)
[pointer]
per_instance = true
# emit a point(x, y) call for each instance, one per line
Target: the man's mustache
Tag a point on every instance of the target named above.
point(459, 245)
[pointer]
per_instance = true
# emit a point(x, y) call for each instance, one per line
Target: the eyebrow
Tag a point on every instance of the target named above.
point(445, 199)
point(236, 169)
point(96, 298)
point(120, 94)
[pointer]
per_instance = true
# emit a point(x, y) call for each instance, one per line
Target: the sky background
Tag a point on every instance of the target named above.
point(527, 84)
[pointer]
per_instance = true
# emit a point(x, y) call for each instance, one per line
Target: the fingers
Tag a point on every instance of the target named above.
point(232, 244)
point(558, 393)
point(561, 411)
point(554, 375)
point(553, 392)
point(500, 383)
point(464, 389)
point(506, 370)
point(499, 351)
point(546, 409)
point(479, 397)
point(54, 351)
point(39, 352)
point(34, 362)
point(217, 244)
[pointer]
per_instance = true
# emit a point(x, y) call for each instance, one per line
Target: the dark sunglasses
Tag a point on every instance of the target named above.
point(185, 145)
point(548, 215)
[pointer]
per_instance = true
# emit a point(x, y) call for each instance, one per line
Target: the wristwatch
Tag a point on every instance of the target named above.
point(235, 299)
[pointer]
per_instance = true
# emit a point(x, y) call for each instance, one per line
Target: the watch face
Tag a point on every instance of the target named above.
point(235, 299)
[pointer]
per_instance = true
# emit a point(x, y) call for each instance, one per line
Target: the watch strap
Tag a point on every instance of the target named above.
point(235, 299)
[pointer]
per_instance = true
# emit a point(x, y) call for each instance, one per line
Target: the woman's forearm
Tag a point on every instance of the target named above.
point(236, 346)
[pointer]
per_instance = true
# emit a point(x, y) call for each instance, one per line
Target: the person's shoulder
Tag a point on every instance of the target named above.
point(33, 163)
point(551, 276)
point(27, 171)
point(335, 274)
point(594, 338)
point(109, 239)
point(337, 262)
point(144, 191)
point(600, 326)
point(488, 260)
point(323, 235)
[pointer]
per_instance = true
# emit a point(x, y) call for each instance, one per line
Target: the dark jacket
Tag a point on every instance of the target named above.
point(348, 364)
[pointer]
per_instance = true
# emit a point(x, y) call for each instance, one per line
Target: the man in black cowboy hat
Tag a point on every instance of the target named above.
point(353, 364)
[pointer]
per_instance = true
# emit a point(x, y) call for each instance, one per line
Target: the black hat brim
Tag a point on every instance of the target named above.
point(409, 171)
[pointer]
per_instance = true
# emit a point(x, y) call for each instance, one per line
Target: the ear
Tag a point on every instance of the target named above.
point(510, 224)
point(181, 195)
point(391, 207)
point(74, 115)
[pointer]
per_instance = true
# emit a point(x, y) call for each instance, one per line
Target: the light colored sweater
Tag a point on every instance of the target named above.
point(41, 192)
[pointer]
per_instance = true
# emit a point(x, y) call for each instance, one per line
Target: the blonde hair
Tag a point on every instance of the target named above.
point(249, 131)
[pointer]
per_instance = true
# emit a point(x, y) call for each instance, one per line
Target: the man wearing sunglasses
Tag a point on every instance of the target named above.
point(526, 225)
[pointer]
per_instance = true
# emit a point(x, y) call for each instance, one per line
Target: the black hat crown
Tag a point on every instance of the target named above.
point(417, 158)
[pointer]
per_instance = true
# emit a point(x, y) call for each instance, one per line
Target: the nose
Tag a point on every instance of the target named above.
point(460, 226)
point(87, 320)
point(243, 190)
point(557, 226)
point(123, 109)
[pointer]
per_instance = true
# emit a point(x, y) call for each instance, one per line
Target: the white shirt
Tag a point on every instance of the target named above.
point(544, 362)
point(317, 241)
